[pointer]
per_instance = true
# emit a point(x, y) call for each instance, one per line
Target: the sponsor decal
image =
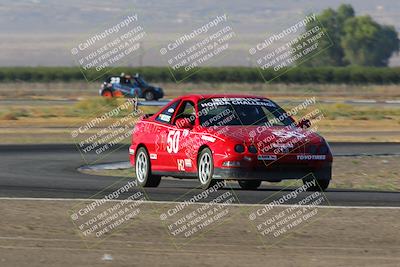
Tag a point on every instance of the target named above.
point(208, 138)
point(132, 151)
point(267, 157)
point(153, 156)
point(164, 117)
point(171, 110)
point(239, 101)
point(285, 145)
point(188, 163)
point(181, 164)
point(311, 157)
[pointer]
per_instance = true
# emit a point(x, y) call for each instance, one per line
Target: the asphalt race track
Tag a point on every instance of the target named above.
point(50, 171)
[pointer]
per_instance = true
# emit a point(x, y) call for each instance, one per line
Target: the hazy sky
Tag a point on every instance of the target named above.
point(42, 32)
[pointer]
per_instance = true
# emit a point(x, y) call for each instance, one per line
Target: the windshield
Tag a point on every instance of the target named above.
point(141, 81)
point(242, 111)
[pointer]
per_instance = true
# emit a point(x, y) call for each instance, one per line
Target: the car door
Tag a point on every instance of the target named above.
point(162, 139)
point(179, 140)
point(124, 85)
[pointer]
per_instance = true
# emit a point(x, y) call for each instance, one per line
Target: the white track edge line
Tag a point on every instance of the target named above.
point(197, 203)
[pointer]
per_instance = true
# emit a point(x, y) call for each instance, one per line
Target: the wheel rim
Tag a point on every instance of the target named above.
point(205, 167)
point(141, 167)
point(149, 95)
point(118, 94)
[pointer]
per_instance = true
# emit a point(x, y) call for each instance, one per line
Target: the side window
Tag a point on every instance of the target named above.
point(186, 111)
point(166, 115)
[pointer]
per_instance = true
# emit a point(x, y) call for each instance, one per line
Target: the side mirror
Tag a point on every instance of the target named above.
point(304, 124)
point(183, 123)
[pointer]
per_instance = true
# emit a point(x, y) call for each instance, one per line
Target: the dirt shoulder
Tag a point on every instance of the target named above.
point(49, 112)
point(40, 233)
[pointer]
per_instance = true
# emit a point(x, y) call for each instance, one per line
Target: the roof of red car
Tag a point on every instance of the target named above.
point(201, 96)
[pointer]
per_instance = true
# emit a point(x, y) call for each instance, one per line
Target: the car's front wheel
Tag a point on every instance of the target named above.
point(249, 184)
point(321, 179)
point(205, 168)
point(143, 170)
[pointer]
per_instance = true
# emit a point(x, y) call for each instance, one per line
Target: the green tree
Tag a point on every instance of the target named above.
point(332, 22)
point(366, 43)
point(345, 11)
point(352, 40)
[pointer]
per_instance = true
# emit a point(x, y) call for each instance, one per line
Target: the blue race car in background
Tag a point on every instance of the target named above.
point(128, 86)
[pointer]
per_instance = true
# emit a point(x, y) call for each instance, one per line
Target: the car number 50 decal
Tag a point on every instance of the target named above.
point(173, 141)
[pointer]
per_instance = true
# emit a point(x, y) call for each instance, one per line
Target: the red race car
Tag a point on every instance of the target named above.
point(230, 137)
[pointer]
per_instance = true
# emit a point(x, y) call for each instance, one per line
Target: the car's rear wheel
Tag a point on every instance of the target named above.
point(143, 170)
point(118, 94)
point(149, 95)
point(107, 93)
point(205, 168)
point(249, 184)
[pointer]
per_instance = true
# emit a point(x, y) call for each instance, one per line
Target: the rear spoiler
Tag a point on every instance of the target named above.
point(152, 104)
point(145, 116)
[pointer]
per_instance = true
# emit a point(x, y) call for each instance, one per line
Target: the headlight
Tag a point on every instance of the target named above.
point(239, 148)
point(252, 149)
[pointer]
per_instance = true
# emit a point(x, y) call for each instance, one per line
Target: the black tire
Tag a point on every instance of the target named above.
point(249, 184)
point(149, 95)
point(205, 178)
point(144, 177)
point(322, 178)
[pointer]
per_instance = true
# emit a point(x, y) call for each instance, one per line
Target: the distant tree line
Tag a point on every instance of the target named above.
point(349, 74)
point(353, 40)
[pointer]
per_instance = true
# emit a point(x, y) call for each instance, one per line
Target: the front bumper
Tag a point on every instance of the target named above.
point(159, 93)
point(275, 174)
